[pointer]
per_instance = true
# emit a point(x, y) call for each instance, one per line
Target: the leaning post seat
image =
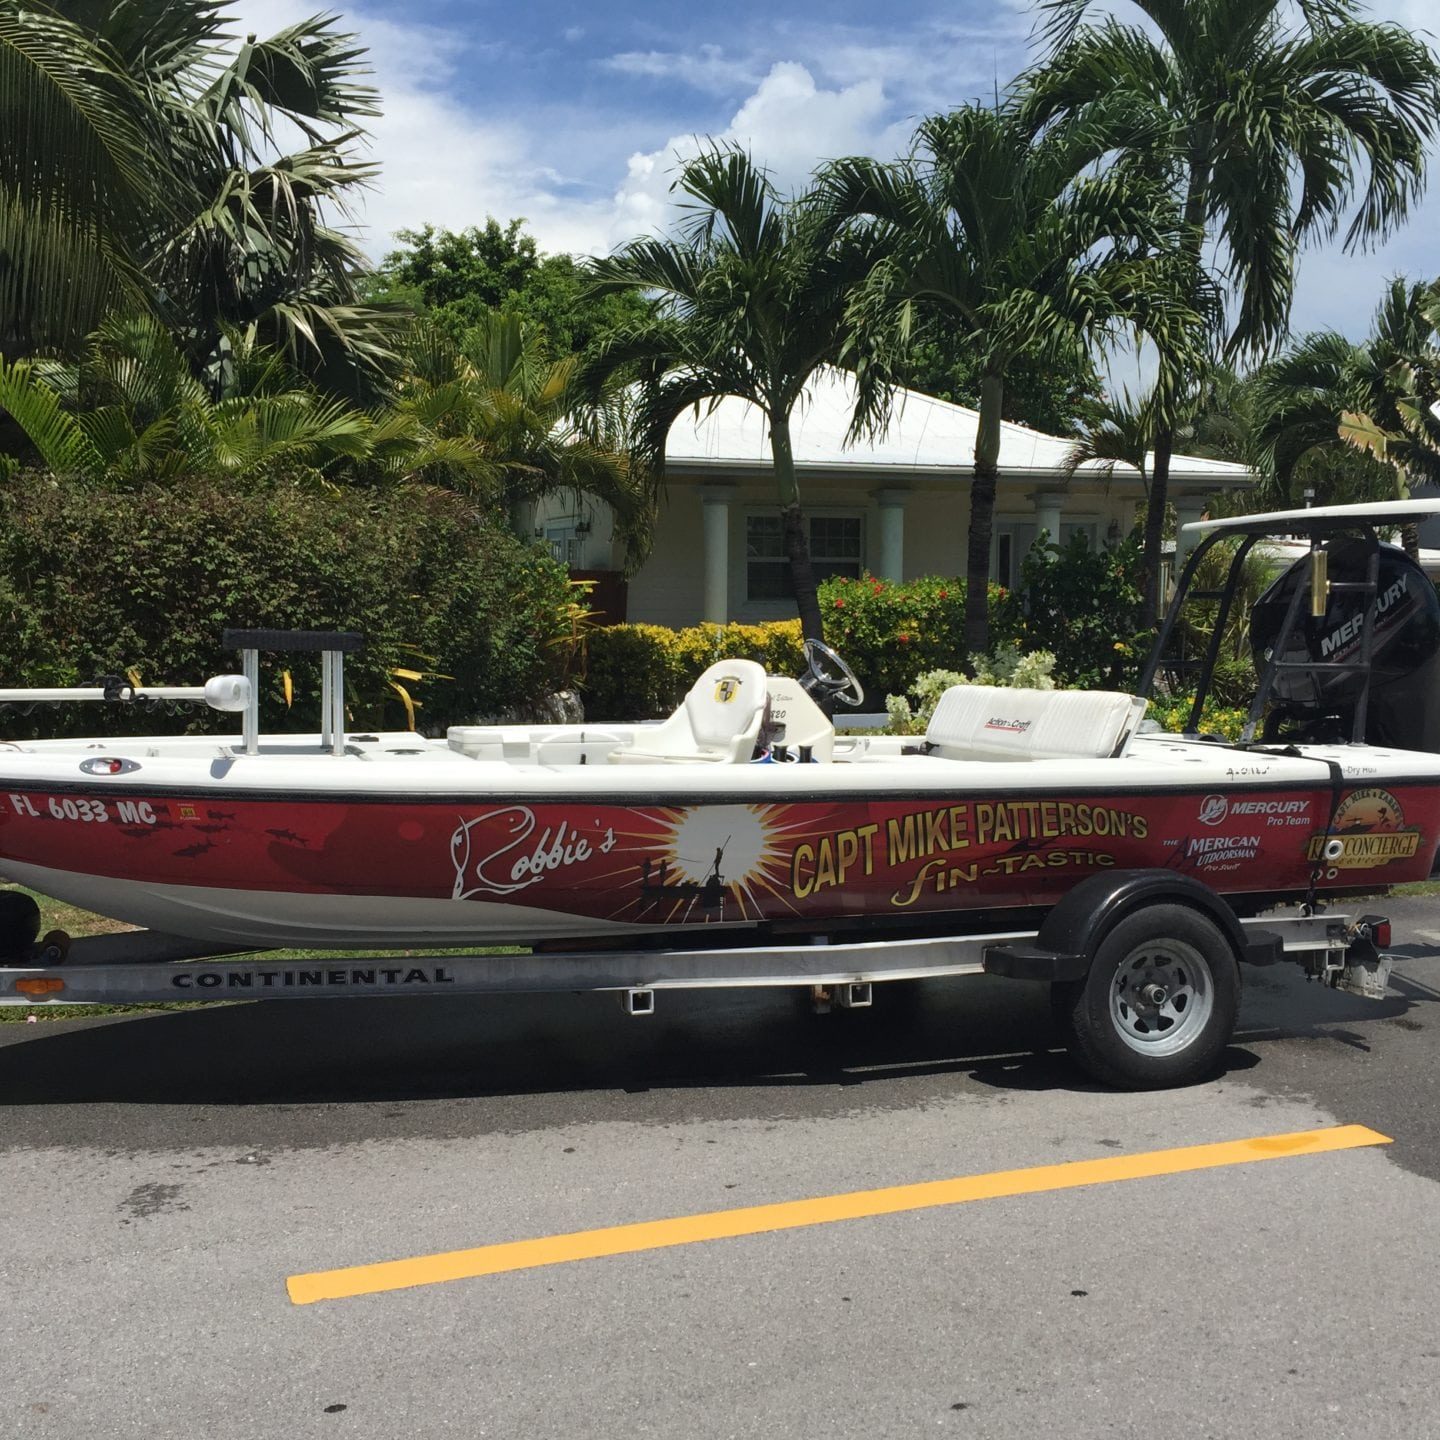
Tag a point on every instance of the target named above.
point(994, 722)
point(719, 720)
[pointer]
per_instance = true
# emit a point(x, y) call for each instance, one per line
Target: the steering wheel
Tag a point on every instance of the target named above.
point(830, 675)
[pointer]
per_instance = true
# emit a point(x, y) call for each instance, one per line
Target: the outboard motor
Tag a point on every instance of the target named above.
point(1317, 702)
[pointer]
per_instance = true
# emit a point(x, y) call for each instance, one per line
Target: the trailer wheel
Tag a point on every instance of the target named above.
point(1159, 1003)
point(19, 925)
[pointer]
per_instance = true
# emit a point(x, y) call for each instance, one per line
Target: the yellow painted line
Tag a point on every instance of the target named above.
point(823, 1210)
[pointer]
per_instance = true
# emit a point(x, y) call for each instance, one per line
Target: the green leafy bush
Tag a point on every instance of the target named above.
point(638, 672)
point(1173, 714)
point(94, 583)
point(1082, 605)
point(893, 632)
point(1005, 666)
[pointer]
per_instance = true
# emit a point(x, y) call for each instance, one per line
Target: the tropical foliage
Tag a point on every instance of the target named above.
point(141, 170)
point(183, 306)
point(457, 278)
point(751, 300)
point(1026, 252)
point(1269, 123)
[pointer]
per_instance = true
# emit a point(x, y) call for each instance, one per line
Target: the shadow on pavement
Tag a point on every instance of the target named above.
point(345, 1051)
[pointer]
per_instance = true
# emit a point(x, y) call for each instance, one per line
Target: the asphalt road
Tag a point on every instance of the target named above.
point(162, 1177)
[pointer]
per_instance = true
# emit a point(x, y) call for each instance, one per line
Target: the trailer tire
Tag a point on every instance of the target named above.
point(19, 925)
point(1159, 1003)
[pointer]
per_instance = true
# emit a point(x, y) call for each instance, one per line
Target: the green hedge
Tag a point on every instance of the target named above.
point(889, 633)
point(892, 632)
point(1082, 605)
point(638, 672)
point(94, 583)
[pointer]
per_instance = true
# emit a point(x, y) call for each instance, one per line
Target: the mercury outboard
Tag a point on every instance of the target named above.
point(1324, 671)
point(1346, 641)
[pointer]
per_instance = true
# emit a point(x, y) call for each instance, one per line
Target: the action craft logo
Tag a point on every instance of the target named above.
point(1213, 809)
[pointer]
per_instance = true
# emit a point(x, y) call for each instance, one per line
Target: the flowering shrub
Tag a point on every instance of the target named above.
point(1173, 713)
point(1009, 665)
point(891, 632)
point(1006, 666)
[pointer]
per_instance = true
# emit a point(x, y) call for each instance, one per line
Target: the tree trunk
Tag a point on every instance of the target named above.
point(797, 548)
point(1196, 189)
point(797, 540)
point(982, 518)
point(1155, 523)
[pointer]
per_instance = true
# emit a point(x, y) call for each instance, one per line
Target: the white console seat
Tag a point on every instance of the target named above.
point(993, 722)
point(719, 720)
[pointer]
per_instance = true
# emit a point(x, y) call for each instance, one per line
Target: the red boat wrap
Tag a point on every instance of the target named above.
point(688, 864)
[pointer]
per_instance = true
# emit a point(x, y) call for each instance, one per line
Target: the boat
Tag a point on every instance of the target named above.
point(746, 813)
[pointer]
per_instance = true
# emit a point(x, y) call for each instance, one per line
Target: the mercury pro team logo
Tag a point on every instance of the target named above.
point(1213, 809)
point(1370, 828)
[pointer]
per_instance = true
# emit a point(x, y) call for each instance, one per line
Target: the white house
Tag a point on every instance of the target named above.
point(897, 505)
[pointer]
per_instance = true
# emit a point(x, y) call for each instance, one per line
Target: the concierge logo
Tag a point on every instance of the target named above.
point(1370, 831)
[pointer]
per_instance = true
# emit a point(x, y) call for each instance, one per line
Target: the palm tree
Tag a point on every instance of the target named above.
point(1326, 395)
point(1262, 130)
point(75, 181)
point(130, 412)
point(500, 419)
point(1121, 433)
point(142, 167)
point(1023, 251)
point(751, 303)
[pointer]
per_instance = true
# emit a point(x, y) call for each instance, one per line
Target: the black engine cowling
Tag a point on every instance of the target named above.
point(1318, 703)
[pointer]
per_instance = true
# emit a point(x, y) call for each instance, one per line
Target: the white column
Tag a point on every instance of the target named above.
point(890, 562)
point(1188, 509)
point(1047, 516)
point(715, 504)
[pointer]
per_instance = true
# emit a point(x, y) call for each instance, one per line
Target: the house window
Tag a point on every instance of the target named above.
point(1013, 539)
point(565, 545)
point(837, 544)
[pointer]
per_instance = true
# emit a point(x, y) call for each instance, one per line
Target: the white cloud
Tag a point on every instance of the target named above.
point(440, 162)
point(707, 69)
point(448, 164)
point(789, 124)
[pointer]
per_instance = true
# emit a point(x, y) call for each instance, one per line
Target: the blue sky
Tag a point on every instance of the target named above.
point(574, 115)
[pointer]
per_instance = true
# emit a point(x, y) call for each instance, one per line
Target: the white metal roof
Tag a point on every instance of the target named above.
point(925, 434)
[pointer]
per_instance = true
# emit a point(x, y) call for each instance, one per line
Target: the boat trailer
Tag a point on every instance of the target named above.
point(141, 967)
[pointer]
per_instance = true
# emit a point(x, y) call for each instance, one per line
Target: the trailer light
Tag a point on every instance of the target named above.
point(1375, 929)
point(39, 988)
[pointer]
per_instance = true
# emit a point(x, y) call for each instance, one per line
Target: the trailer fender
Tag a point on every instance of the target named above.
point(1072, 931)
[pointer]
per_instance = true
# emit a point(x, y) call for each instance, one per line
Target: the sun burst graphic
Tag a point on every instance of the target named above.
point(716, 862)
